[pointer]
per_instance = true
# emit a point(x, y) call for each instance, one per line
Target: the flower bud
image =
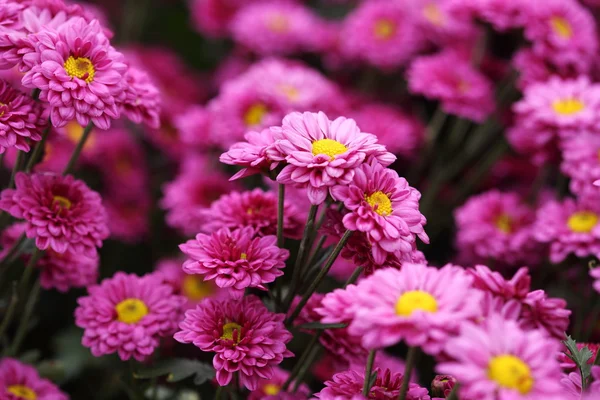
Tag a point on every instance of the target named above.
point(442, 385)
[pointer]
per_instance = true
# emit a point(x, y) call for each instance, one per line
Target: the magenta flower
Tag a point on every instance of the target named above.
point(461, 90)
point(79, 74)
point(271, 389)
point(143, 100)
point(497, 360)
point(128, 314)
point(493, 282)
point(235, 259)
point(580, 162)
point(246, 337)
point(569, 227)
point(62, 213)
point(384, 207)
point(193, 127)
point(321, 153)
point(256, 209)
point(442, 25)
point(19, 381)
point(129, 220)
point(21, 119)
point(546, 314)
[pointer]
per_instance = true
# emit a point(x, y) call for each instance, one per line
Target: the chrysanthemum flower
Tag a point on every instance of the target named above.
point(193, 125)
point(21, 119)
point(501, 14)
point(569, 227)
point(246, 337)
point(496, 226)
point(143, 100)
point(213, 17)
point(256, 209)
point(19, 381)
point(129, 220)
point(271, 389)
point(235, 259)
point(493, 282)
point(387, 385)
point(322, 154)
point(421, 305)
point(441, 24)
point(498, 360)
point(128, 314)
point(79, 74)
point(580, 162)
point(544, 313)
point(62, 213)
point(461, 90)
point(384, 207)
point(381, 33)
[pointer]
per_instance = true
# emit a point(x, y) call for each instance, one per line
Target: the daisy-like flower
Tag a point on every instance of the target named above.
point(501, 14)
point(213, 17)
point(322, 154)
point(143, 100)
point(20, 381)
point(493, 282)
point(128, 314)
point(461, 90)
point(79, 74)
point(497, 226)
point(62, 213)
point(421, 305)
point(498, 360)
point(546, 314)
point(129, 220)
point(247, 338)
point(346, 385)
point(256, 209)
point(193, 126)
point(271, 389)
point(569, 227)
point(235, 259)
point(384, 207)
point(381, 33)
point(21, 119)
point(441, 24)
point(580, 162)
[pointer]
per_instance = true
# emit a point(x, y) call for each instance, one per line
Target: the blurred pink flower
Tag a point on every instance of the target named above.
point(580, 162)
point(595, 273)
point(129, 219)
point(21, 381)
point(271, 389)
point(142, 103)
point(544, 313)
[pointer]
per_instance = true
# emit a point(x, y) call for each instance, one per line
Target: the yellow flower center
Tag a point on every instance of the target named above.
point(561, 27)
point(62, 202)
point(290, 91)
point(329, 147)
point(22, 392)
point(384, 29)
point(278, 23)
point(380, 203)
point(510, 372)
point(415, 300)
point(255, 114)
point(582, 221)
point(568, 106)
point(74, 133)
point(243, 256)
point(194, 288)
point(1, 105)
point(504, 223)
point(80, 67)
point(271, 389)
point(232, 331)
point(433, 14)
point(131, 311)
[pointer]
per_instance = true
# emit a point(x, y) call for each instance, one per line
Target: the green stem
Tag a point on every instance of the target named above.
point(37, 151)
point(35, 257)
point(354, 276)
point(75, 156)
point(219, 393)
point(304, 368)
point(454, 393)
point(25, 319)
point(280, 216)
point(14, 249)
point(368, 371)
point(296, 369)
point(411, 360)
point(434, 129)
point(10, 311)
point(16, 168)
point(315, 284)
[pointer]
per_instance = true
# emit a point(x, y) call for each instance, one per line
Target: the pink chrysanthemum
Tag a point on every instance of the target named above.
point(441, 24)
point(128, 314)
point(535, 69)
point(235, 259)
point(491, 281)
point(272, 389)
point(21, 119)
point(503, 15)
point(62, 213)
point(498, 360)
point(580, 162)
point(193, 125)
point(213, 17)
point(496, 226)
point(381, 33)
point(79, 74)
point(461, 90)
point(346, 385)
point(569, 227)
point(142, 102)
point(544, 313)
point(129, 220)
point(246, 337)
point(19, 381)
point(321, 153)
point(256, 209)
point(384, 207)
point(421, 305)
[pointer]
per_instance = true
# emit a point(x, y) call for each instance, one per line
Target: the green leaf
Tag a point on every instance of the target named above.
point(177, 370)
point(579, 357)
point(318, 325)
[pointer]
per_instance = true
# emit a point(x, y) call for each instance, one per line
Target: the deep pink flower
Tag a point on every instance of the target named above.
point(62, 213)
point(272, 389)
point(235, 259)
point(193, 125)
point(128, 314)
point(498, 360)
point(246, 337)
point(544, 313)
point(461, 90)
point(384, 207)
point(212, 17)
point(322, 154)
point(21, 119)
point(580, 161)
point(79, 74)
point(20, 381)
point(442, 25)
point(536, 69)
point(491, 281)
point(256, 209)
point(143, 100)
point(129, 220)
